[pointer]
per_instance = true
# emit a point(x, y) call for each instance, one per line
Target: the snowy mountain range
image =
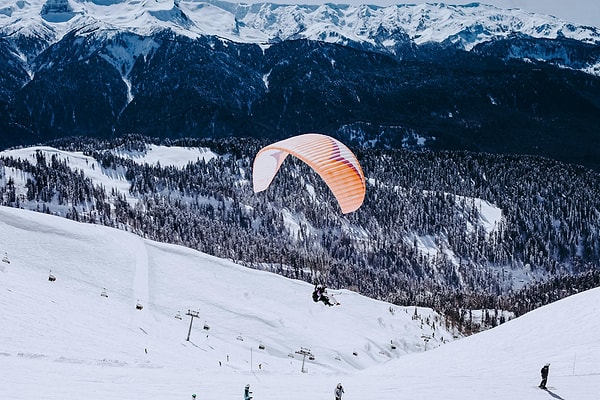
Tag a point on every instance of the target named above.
point(465, 26)
point(83, 334)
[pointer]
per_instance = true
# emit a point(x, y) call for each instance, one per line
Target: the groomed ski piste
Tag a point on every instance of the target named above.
point(64, 340)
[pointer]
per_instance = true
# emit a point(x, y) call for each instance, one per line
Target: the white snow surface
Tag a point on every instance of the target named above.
point(174, 156)
point(63, 340)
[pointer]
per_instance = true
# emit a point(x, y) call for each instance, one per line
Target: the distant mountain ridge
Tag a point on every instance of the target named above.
point(470, 77)
point(465, 26)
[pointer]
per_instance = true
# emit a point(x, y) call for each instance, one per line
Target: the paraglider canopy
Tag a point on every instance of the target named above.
point(329, 157)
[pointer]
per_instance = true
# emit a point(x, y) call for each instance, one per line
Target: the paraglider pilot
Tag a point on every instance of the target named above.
point(319, 294)
point(544, 372)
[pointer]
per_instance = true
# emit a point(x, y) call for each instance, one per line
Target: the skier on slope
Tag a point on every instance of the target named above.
point(247, 393)
point(338, 391)
point(320, 294)
point(544, 372)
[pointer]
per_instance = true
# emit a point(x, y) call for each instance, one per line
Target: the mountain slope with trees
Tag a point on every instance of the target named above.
point(419, 238)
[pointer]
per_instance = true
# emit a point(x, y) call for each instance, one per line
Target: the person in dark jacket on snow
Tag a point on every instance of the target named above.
point(544, 372)
point(319, 294)
point(247, 393)
point(338, 391)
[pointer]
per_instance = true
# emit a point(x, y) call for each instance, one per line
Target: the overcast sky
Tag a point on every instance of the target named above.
point(581, 12)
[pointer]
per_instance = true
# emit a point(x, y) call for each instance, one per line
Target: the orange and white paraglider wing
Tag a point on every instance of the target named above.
point(330, 158)
point(266, 164)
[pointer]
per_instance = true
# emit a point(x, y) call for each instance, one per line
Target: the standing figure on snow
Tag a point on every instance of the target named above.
point(338, 391)
point(247, 393)
point(320, 294)
point(544, 372)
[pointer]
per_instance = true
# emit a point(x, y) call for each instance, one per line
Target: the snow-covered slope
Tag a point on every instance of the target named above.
point(62, 339)
point(504, 362)
point(464, 25)
point(68, 321)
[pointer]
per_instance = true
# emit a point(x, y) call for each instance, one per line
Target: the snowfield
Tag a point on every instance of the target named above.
point(63, 340)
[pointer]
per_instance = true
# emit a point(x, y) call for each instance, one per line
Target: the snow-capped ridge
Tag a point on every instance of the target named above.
point(388, 29)
point(464, 25)
point(173, 15)
point(57, 11)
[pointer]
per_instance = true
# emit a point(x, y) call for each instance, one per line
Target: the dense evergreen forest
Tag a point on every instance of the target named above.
point(420, 238)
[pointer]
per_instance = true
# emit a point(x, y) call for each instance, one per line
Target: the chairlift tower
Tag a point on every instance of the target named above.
point(305, 352)
point(193, 314)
